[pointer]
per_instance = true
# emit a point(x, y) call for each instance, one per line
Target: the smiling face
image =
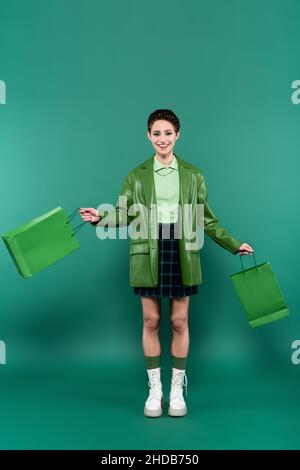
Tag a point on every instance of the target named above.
point(163, 138)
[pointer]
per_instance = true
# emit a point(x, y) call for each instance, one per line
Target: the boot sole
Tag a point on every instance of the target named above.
point(154, 413)
point(174, 412)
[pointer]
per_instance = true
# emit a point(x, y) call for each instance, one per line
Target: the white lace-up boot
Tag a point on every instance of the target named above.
point(154, 403)
point(177, 406)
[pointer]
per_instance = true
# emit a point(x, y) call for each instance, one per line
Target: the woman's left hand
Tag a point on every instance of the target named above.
point(245, 249)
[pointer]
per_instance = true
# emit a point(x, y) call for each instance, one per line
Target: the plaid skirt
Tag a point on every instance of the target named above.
point(169, 280)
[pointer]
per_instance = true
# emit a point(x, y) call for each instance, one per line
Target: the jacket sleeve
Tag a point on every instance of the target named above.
point(118, 217)
point(211, 224)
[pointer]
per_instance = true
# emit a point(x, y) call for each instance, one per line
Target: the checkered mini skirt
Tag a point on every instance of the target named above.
point(170, 281)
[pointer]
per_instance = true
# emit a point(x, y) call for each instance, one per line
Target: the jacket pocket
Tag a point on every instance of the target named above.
point(141, 247)
point(140, 265)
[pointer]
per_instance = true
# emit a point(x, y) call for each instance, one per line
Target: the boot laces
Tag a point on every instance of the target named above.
point(179, 379)
point(155, 385)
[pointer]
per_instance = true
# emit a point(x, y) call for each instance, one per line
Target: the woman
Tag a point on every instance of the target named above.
point(162, 187)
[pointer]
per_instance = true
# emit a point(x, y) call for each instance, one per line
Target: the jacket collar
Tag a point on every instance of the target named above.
point(157, 165)
point(147, 176)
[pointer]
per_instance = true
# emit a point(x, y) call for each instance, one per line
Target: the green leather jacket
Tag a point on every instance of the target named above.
point(139, 188)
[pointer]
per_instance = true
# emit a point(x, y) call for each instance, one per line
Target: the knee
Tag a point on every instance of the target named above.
point(151, 322)
point(179, 324)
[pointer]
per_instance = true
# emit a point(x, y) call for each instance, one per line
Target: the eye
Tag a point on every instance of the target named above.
point(157, 133)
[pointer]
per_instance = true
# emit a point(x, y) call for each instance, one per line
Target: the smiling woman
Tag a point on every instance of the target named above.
point(166, 266)
point(163, 132)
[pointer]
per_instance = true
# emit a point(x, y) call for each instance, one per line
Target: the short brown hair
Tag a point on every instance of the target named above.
point(165, 114)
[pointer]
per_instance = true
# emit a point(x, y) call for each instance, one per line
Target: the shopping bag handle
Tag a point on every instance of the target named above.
point(242, 262)
point(70, 217)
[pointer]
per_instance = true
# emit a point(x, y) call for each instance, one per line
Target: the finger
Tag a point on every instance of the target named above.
point(86, 209)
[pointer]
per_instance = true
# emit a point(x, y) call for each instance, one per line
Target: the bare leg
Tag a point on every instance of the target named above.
point(179, 308)
point(151, 318)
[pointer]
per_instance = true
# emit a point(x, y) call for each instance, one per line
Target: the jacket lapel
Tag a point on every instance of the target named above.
point(184, 182)
point(148, 181)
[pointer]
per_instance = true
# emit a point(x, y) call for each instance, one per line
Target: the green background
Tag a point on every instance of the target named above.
point(82, 78)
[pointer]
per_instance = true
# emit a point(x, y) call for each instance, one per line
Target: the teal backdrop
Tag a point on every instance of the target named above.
point(81, 79)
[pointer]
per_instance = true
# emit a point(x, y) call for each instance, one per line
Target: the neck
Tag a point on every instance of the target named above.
point(165, 159)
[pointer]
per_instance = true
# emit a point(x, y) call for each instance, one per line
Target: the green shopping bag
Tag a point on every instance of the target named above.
point(259, 293)
point(42, 241)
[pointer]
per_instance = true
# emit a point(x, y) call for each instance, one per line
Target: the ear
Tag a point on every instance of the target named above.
point(178, 134)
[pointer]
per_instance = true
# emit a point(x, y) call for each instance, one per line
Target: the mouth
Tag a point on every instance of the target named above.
point(163, 147)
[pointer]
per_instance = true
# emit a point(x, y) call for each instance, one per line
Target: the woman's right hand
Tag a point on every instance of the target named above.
point(89, 214)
